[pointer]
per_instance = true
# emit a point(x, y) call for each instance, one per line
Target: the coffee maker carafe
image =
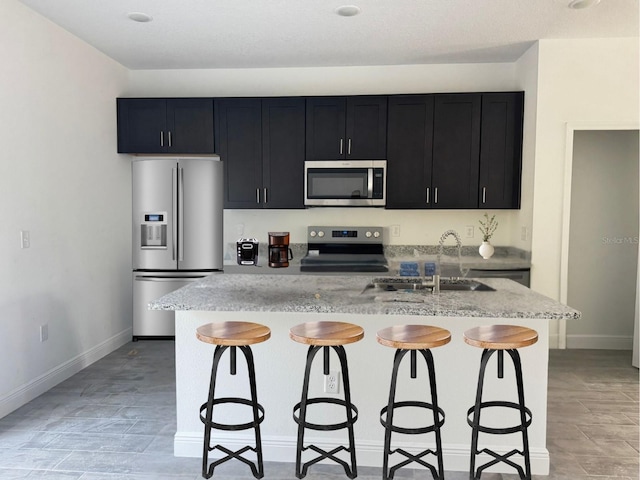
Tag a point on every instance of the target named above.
point(279, 251)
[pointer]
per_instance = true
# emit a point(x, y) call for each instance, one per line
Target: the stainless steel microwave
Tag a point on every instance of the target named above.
point(355, 183)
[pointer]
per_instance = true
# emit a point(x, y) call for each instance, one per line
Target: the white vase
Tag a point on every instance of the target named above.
point(486, 250)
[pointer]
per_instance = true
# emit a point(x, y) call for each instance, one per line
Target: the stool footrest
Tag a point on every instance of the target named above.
point(329, 456)
point(500, 459)
point(230, 426)
point(412, 431)
point(500, 431)
point(328, 426)
point(230, 454)
point(411, 458)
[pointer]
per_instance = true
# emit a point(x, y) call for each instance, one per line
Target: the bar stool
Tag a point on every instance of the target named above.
point(500, 338)
point(231, 335)
point(405, 339)
point(326, 335)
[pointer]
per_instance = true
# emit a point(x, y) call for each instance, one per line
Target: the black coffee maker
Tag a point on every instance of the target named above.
point(279, 251)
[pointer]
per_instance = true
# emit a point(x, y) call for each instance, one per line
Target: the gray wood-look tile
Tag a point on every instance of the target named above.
point(115, 420)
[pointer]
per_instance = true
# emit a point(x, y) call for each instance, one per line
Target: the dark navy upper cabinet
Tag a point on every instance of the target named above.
point(165, 125)
point(501, 150)
point(352, 128)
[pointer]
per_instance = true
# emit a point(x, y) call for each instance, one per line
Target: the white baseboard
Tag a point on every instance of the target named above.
point(32, 389)
point(369, 454)
point(600, 342)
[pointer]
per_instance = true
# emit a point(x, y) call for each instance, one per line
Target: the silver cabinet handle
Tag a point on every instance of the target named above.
point(161, 138)
point(427, 195)
point(435, 195)
point(264, 193)
point(484, 194)
point(349, 147)
point(341, 145)
point(169, 135)
point(180, 214)
point(257, 195)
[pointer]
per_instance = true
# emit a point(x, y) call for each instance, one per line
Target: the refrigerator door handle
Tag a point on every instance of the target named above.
point(144, 278)
point(181, 214)
point(174, 220)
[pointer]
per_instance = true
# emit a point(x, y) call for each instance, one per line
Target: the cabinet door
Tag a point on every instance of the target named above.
point(366, 128)
point(190, 125)
point(501, 150)
point(325, 128)
point(283, 150)
point(239, 143)
point(410, 137)
point(456, 151)
point(142, 125)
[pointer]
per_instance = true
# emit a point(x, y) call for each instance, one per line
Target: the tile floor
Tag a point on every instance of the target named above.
point(115, 420)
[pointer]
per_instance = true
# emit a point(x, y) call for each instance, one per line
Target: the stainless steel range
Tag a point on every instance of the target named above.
point(344, 249)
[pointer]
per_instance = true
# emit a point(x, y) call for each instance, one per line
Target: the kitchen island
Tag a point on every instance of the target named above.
point(282, 301)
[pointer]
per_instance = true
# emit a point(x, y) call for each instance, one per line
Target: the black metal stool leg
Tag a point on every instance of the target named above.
point(311, 353)
point(207, 426)
point(486, 354)
point(259, 472)
point(350, 421)
point(515, 356)
point(428, 356)
point(397, 359)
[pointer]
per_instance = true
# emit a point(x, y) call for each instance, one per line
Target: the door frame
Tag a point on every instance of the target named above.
point(571, 128)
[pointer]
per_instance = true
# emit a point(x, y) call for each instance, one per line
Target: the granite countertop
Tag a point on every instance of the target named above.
point(347, 294)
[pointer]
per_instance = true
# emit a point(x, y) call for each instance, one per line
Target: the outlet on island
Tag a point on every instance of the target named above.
point(332, 382)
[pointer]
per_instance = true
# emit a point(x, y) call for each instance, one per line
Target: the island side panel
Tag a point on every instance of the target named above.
point(280, 367)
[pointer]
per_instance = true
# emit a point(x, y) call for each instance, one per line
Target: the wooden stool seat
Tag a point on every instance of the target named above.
point(326, 334)
point(233, 334)
point(500, 337)
point(413, 337)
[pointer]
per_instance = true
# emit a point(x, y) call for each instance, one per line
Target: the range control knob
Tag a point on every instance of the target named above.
point(321, 234)
point(368, 234)
point(312, 233)
point(376, 234)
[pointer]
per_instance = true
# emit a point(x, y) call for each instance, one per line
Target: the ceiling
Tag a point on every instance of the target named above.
point(308, 33)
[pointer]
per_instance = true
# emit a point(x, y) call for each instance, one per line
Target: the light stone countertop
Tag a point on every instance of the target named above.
point(347, 294)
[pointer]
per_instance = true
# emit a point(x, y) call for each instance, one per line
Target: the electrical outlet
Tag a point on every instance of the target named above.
point(332, 382)
point(25, 239)
point(395, 230)
point(469, 231)
point(44, 332)
point(523, 233)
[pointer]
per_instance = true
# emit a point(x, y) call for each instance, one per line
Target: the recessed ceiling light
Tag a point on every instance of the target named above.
point(580, 4)
point(347, 10)
point(140, 17)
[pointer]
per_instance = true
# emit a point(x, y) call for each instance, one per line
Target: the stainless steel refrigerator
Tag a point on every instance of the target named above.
point(177, 232)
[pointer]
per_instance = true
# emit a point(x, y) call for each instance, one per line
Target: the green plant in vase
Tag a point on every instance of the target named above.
point(488, 227)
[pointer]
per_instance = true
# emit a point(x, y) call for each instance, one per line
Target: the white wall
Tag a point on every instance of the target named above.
point(63, 181)
point(603, 250)
point(417, 227)
point(582, 81)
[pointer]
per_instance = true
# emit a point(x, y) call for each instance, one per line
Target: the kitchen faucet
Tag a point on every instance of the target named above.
point(455, 235)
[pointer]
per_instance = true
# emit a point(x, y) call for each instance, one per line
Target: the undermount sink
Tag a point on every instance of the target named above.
point(463, 284)
point(409, 283)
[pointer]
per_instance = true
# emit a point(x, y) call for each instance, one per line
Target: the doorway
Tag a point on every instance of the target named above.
point(602, 241)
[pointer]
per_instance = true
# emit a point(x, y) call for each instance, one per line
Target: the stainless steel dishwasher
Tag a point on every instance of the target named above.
point(520, 275)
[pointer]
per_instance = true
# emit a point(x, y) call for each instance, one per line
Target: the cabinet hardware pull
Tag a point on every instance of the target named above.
point(435, 195)
point(349, 147)
point(427, 195)
point(341, 145)
point(169, 135)
point(257, 195)
point(265, 194)
point(161, 138)
point(484, 194)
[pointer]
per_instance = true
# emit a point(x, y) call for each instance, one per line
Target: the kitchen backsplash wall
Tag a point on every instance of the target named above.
point(416, 227)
